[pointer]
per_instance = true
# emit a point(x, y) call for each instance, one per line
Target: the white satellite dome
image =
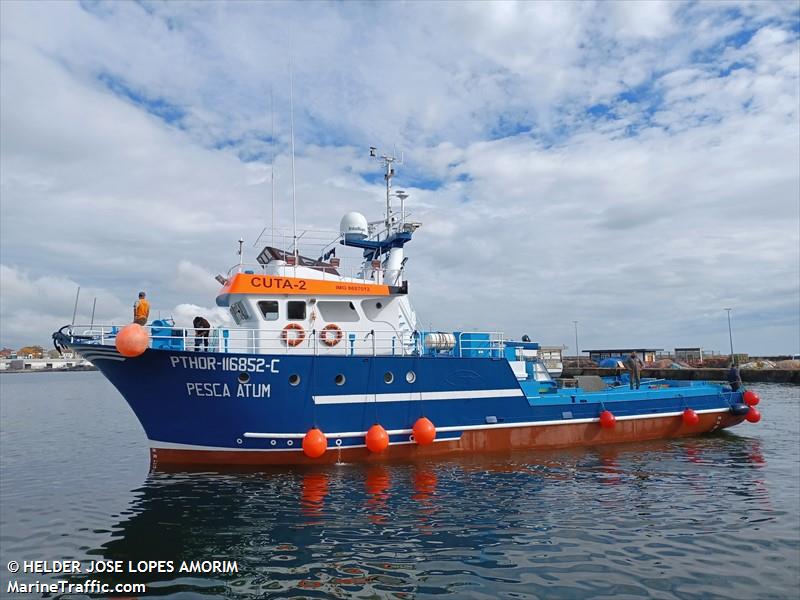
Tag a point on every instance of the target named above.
point(354, 226)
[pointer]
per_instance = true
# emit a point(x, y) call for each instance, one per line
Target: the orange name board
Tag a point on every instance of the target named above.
point(268, 285)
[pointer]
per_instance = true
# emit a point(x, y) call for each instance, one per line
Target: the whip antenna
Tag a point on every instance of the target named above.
point(272, 160)
point(75, 310)
point(294, 191)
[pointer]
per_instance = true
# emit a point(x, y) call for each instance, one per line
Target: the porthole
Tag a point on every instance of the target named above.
point(411, 377)
point(378, 305)
point(339, 379)
point(388, 377)
point(339, 442)
point(272, 442)
point(289, 443)
point(239, 441)
point(244, 377)
point(294, 379)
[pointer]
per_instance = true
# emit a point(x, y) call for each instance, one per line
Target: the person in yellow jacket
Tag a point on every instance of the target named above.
point(141, 310)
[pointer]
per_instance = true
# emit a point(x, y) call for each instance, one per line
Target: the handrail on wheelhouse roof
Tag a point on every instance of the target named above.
point(270, 253)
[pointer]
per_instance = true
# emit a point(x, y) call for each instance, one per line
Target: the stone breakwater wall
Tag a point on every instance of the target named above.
point(748, 375)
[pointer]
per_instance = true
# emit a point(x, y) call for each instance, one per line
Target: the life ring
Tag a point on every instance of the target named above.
point(328, 340)
point(293, 340)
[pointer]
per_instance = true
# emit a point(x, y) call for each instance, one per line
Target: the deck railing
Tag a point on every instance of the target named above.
point(351, 342)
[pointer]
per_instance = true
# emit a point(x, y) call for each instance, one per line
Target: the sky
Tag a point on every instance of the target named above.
point(632, 166)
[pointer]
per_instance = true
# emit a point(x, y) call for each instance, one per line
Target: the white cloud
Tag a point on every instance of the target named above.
point(546, 195)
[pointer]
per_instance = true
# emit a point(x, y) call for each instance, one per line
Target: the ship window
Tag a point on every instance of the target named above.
point(339, 379)
point(269, 309)
point(411, 377)
point(337, 311)
point(296, 310)
point(388, 377)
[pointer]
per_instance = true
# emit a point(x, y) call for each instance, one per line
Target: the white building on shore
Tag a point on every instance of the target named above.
point(67, 361)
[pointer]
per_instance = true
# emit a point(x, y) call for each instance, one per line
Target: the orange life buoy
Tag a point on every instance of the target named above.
point(293, 340)
point(328, 340)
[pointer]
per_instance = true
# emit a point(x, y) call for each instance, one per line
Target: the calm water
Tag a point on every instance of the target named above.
point(712, 517)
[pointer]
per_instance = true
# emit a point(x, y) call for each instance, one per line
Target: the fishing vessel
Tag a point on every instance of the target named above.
point(327, 362)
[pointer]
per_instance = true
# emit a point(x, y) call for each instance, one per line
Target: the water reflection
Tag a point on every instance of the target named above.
point(473, 526)
point(315, 488)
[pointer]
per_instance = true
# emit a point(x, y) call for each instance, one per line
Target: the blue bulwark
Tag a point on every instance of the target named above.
point(473, 345)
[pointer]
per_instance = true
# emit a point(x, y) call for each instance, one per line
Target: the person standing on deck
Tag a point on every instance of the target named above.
point(202, 329)
point(634, 365)
point(141, 310)
point(734, 377)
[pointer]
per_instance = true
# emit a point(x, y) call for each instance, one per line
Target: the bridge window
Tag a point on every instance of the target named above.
point(332, 311)
point(269, 309)
point(296, 310)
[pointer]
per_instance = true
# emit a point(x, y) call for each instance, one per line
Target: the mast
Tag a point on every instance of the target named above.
point(294, 206)
point(272, 160)
point(388, 162)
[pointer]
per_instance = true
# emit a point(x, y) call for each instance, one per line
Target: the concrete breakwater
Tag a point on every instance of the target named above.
point(748, 375)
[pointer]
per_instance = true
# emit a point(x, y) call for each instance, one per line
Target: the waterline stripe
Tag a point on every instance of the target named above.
point(156, 445)
point(417, 396)
point(350, 434)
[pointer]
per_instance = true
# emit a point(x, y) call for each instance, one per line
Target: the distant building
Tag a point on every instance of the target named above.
point(42, 364)
point(689, 354)
point(648, 355)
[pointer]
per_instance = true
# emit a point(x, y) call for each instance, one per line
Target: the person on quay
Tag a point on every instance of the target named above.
point(202, 329)
point(734, 377)
point(634, 364)
point(141, 310)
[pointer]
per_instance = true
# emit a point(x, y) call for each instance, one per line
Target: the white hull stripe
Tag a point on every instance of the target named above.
point(417, 396)
point(96, 348)
point(93, 357)
point(352, 434)
point(156, 445)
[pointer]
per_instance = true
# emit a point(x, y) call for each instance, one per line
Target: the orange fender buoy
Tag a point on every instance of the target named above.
point(314, 443)
point(751, 398)
point(753, 415)
point(377, 439)
point(424, 431)
point(607, 419)
point(132, 340)
point(690, 417)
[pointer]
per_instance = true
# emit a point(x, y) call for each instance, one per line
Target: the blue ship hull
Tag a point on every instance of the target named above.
point(224, 408)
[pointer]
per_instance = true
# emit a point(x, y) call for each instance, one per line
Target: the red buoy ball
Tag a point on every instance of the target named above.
point(377, 439)
point(132, 340)
point(753, 416)
point(751, 398)
point(607, 419)
point(424, 431)
point(314, 443)
point(690, 417)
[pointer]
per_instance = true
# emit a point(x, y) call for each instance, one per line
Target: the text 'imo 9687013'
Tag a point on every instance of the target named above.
point(327, 363)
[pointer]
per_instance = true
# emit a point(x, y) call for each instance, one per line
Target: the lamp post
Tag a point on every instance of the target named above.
point(730, 334)
point(577, 352)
